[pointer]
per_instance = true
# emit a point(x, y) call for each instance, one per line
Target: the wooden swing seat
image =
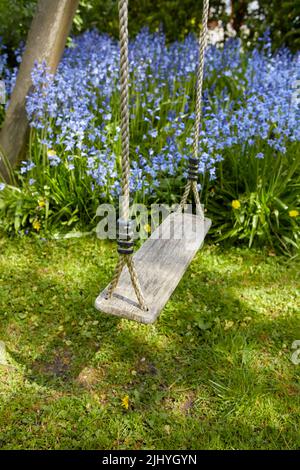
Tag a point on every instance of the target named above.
point(160, 264)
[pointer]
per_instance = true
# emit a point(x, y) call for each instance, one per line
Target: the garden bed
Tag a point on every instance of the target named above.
point(249, 145)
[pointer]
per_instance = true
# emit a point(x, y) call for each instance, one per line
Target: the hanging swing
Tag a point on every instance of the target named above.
point(143, 282)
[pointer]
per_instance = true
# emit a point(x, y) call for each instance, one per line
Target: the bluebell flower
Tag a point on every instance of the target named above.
point(54, 160)
point(26, 167)
point(153, 133)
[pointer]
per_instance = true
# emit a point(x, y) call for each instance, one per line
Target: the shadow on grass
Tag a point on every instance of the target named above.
point(62, 324)
point(212, 350)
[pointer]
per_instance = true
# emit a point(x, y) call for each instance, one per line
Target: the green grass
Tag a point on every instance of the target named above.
point(214, 372)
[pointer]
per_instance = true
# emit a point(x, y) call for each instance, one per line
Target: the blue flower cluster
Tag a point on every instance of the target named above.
point(248, 105)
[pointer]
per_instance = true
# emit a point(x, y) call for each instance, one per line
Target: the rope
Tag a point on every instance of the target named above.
point(198, 111)
point(202, 47)
point(124, 85)
point(125, 260)
point(191, 185)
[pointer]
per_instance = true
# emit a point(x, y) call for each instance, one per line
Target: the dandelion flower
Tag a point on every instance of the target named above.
point(236, 204)
point(42, 203)
point(36, 225)
point(147, 228)
point(293, 213)
point(125, 402)
point(228, 324)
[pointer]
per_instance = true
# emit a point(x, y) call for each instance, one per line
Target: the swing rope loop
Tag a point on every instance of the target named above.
point(125, 232)
point(194, 161)
point(125, 235)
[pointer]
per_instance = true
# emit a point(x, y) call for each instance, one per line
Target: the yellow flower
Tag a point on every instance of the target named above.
point(228, 324)
point(236, 204)
point(125, 402)
point(42, 203)
point(36, 225)
point(51, 153)
point(293, 213)
point(147, 228)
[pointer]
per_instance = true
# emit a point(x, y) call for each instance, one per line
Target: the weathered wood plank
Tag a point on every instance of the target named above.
point(160, 263)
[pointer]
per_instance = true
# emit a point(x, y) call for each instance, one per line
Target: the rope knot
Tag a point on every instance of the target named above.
point(125, 237)
point(193, 169)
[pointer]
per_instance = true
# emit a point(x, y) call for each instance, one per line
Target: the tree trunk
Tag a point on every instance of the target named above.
point(46, 42)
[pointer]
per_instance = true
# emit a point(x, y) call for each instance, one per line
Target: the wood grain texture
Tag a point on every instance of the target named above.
point(160, 264)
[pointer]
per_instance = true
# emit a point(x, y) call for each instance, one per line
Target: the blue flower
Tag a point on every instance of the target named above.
point(26, 167)
point(153, 133)
point(54, 160)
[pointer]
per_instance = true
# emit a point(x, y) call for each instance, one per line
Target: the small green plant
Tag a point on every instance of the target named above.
point(22, 212)
point(258, 200)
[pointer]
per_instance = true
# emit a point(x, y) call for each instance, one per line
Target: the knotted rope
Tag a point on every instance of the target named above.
point(194, 162)
point(125, 240)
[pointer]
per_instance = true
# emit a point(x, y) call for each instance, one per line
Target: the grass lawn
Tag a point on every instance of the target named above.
point(214, 372)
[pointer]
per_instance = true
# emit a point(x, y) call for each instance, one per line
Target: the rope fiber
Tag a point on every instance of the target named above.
point(192, 185)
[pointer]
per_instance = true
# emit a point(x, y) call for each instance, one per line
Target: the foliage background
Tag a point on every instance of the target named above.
point(268, 210)
point(177, 17)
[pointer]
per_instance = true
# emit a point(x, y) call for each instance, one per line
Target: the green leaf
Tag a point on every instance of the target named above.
point(203, 325)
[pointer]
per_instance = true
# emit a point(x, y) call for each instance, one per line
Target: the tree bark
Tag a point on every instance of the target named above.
point(46, 42)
